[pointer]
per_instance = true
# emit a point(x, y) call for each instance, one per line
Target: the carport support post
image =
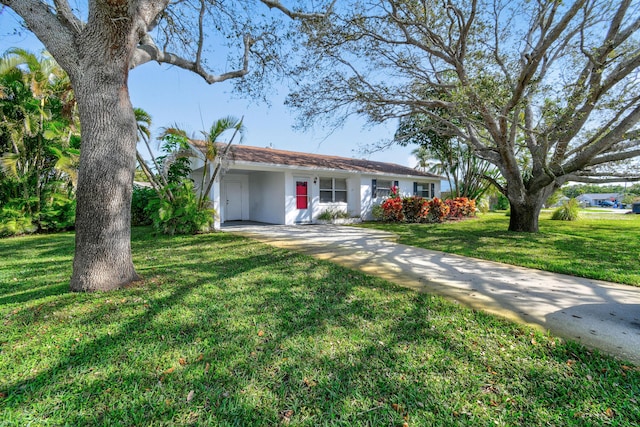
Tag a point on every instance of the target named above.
point(214, 196)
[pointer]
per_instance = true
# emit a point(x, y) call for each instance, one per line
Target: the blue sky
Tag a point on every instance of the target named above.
point(174, 96)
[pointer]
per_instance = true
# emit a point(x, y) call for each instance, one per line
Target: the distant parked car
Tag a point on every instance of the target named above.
point(607, 204)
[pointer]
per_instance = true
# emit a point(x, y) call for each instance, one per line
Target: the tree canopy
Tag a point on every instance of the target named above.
point(547, 91)
point(466, 173)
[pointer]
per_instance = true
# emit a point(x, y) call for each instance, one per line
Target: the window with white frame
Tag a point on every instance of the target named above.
point(422, 190)
point(382, 187)
point(333, 190)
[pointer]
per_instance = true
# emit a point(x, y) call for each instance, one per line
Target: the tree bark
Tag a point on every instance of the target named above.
point(524, 215)
point(103, 258)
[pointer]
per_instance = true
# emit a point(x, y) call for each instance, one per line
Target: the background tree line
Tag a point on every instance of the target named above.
point(39, 145)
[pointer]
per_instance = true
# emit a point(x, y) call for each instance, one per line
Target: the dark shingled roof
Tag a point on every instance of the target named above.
point(246, 153)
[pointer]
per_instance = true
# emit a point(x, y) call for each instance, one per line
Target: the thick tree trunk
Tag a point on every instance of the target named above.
point(108, 155)
point(524, 215)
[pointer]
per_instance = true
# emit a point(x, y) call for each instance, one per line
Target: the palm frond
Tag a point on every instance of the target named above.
point(143, 120)
point(222, 125)
point(9, 163)
point(175, 131)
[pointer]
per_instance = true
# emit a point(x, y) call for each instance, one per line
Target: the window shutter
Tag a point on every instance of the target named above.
point(433, 190)
point(415, 188)
point(374, 187)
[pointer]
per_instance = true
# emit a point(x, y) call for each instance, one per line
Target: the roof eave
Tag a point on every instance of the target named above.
point(258, 165)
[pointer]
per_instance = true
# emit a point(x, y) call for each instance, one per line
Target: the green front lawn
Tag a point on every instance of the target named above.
point(226, 331)
point(598, 246)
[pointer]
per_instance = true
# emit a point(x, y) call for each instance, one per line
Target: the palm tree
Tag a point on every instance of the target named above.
point(220, 127)
point(158, 181)
point(422, 155)
point(40, 146)
point(208, 150)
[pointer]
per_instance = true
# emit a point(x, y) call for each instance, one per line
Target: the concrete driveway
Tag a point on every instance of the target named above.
point(599, 314)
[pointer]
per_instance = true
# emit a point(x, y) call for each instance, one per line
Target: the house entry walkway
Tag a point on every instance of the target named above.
point(599, 314)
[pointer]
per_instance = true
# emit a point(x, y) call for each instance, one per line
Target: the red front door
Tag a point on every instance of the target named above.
point(302, 200)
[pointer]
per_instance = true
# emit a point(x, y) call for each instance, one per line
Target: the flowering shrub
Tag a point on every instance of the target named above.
point(392, 209)
point(438, 210)
point(461, 207)
point(415, 208)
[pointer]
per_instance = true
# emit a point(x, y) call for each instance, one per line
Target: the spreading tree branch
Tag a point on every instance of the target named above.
point(275, 4)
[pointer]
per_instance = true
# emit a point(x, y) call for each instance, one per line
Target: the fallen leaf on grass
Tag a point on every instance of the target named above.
point(170, 370)
point(309, 383)
point(286, 415)
point(488, 388)
point(182, 361)
point(260, 333)
point(190, 396)
point(200, 357)
point(207, 367)
point(609, 413)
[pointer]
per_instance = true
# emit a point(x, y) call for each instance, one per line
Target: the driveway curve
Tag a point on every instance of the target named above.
point(598, 314)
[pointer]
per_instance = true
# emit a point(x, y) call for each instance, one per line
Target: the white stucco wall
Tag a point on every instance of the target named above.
point(367, 202)
point(196, 176)
point(267, 197)
point(351, 207)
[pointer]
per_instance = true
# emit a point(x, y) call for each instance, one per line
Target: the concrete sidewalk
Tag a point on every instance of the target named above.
point(599, 314)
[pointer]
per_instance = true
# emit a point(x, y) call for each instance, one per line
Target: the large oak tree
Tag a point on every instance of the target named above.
point(97, 45)
point(546, 90)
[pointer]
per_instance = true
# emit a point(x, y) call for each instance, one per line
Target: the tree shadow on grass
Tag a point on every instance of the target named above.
point(204, 316)
point(32, 264)
point(261, 336)
point(99, 350)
